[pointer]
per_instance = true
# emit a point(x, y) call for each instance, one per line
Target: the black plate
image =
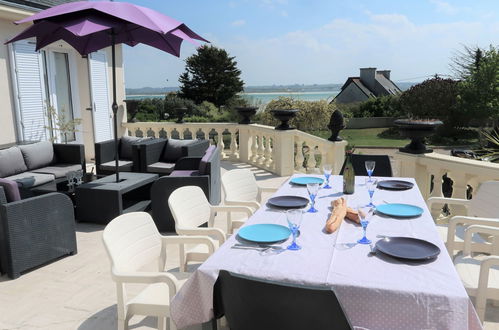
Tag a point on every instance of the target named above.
point(395, 185)
point(288, 202)
point(408, 248)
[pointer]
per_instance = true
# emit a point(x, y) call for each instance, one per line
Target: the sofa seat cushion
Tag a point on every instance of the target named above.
point(173, 150)
point(11, 190)
point(38, 154)
point(160, 167)
point(59, 170)
point(203, 164)
point(185, 173)
point(123, 165)
point(31, 179)
point(11, 162)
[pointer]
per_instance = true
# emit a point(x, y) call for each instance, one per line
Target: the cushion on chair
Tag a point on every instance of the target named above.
point(123, 165)
point(31, 179)
point(58, 170)
point(203, 165)
point(126, 144)
point(160, 167)
point(11, 162)
point(185, 173)
point(11, 190)
point(38, 154)
point(173, 150)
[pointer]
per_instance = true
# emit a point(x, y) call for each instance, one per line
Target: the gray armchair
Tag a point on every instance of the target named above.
point(128, 155)
point(35, 231)
point(203, 172)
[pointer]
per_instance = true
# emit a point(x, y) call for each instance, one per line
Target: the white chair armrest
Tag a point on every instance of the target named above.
point(444, 200)
point(268, 189)
point(230, 209)
point(483, 279)
point(462, 220)
point(474, 229)
point(147, 278)
point(197, 236)
point(252, 204)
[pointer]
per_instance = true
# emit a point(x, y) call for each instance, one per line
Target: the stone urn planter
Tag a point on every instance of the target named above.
point(246, 113)
point(417, 130)
point(284, 115)
point(181, 112)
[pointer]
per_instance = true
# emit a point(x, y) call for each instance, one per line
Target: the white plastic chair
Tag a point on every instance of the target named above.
point(190, 209)
point(132, 241)
point(240, 188)
point(482, 209)
point(480, 273)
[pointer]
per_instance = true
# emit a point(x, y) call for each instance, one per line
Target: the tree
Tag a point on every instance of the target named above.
point(466, 61)
point(210, 75)
point(435, 98)
point(479, 91)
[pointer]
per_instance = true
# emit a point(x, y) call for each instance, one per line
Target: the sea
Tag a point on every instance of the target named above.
point(258, 99)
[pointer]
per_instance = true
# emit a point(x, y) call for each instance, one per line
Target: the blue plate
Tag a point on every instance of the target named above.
point(303, 180)
point(399, 210)
point(264, 233)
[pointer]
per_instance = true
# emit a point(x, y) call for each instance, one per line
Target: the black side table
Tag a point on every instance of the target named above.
point(102, 200)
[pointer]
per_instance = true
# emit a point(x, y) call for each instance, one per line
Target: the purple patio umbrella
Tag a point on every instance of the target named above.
point(92, 25)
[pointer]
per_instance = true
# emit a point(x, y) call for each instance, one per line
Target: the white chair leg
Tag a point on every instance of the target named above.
point(122, 325)
point(161, 323)
point(182, 258)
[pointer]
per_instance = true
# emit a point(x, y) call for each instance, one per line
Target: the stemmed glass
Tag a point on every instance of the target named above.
point(313, 189)
point(327, 173)
point(79, 177)
point(294, 218)
point(370, 165)
point(365, 214)
point(70, 176)
point(371, 188)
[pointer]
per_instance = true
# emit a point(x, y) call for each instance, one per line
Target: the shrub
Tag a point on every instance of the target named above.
point(173, 102)
point(313, 115)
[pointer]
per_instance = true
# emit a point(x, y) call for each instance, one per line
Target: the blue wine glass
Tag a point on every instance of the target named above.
point(370, 165)
point(371, 188)
point(294, 218)
point(313, 189)
point(365, 214)
point(327, 173)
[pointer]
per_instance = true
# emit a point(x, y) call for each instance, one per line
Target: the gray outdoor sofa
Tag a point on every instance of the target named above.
point(203, 172)
point(34, 231)
point(34, 164)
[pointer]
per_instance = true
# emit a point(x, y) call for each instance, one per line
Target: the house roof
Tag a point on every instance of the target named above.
point(387, 84)
point(383, 86)
point(41, 4)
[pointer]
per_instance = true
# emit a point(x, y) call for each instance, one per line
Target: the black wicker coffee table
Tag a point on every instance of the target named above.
point(102, 200)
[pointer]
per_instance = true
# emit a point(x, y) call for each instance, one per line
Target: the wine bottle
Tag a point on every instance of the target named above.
point(348, 176)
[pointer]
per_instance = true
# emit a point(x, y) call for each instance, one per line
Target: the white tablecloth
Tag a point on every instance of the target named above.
point(377, 292)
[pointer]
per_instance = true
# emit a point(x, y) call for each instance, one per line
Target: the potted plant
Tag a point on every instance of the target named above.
point(417, 130)
point(284, 115)
point(246, 114)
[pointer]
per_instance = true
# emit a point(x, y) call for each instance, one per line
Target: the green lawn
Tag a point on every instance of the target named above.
point(365, 137)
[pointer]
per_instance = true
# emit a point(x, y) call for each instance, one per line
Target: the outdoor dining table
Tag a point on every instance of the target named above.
point(375, 290)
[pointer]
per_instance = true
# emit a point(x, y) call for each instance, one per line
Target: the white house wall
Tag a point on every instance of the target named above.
point(7, 109)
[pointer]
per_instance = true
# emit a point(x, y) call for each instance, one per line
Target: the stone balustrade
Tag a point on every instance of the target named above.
point(437, 173)
point(280, 152)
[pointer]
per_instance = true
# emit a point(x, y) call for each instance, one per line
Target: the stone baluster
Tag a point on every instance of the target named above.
point(254, 148)
point(234, 153)
point(221, 142)
point(299, 155)
point(438, 173)
point(268, 152)
point(459, 188)
point(261, 150)
point(206, 133)
point(311, 158)
point(180, 131)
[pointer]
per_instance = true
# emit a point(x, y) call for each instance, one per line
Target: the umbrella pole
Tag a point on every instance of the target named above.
point(115, 107)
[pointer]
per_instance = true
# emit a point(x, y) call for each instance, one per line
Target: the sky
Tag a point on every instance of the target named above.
point(320, 41)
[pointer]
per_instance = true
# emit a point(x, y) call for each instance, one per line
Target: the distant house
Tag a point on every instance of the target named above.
point(371, 83)
point(57, 77)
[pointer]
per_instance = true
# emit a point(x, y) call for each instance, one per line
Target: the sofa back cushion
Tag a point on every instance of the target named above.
point(203, 164)
point(11, 162)
point(11, 190)
point(173, 150)
point(126, 143)
point(38, 154)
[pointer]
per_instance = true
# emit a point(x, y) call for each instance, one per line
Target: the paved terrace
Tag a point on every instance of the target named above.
point(77, 292)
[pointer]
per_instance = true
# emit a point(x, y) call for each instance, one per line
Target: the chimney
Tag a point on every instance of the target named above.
point(385, 73)
point(367, 77)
